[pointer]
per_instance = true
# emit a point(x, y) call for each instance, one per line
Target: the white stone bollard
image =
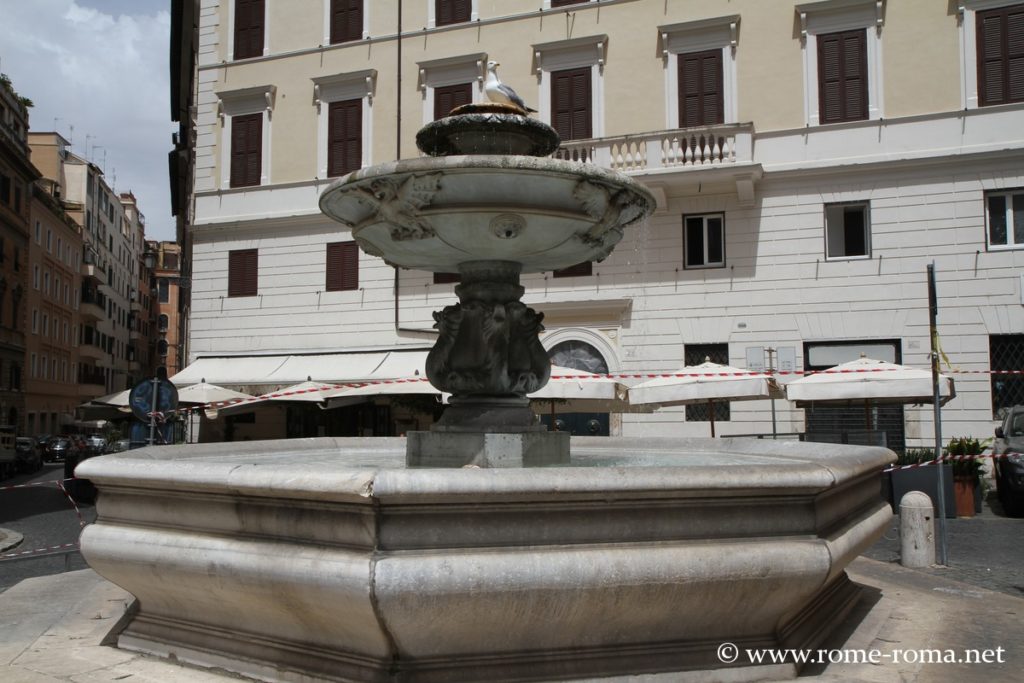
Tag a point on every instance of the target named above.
point(917, 530)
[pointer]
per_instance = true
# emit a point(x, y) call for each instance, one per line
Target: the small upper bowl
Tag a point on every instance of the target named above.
point(487, 129)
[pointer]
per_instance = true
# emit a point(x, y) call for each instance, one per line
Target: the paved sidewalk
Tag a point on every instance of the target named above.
point(53, 630)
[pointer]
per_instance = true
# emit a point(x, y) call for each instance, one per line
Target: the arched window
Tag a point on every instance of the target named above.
point(163, 322)
point(578, 355)
point(161, 347)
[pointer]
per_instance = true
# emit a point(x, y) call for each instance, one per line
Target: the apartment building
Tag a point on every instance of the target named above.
point(17, 175)
point(810, 159)
point(165, 258)
point(112, 243)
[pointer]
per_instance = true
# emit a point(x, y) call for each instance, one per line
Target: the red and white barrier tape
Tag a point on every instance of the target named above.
point(34, 483)
point(949, 458)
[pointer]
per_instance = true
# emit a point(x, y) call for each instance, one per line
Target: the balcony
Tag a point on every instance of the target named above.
point(690, 155)
point(91, 270)
point(93, 307)
point(136, 306)
point(92, 352)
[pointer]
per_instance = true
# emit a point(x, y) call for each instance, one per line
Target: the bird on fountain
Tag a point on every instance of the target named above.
point(499, 92)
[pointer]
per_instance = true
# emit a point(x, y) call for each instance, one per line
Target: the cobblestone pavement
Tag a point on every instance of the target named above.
point(986, 550)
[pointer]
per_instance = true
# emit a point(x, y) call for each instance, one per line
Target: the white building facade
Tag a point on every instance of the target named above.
point(809, 160)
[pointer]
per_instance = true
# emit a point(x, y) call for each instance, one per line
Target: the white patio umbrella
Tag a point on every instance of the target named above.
point(204, 393)
point(869, 381)
point(419, 385)
point(705, 383)
point(118, 398)
point(584, 391)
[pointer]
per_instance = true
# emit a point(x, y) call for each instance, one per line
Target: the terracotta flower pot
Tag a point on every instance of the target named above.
point(963, 488)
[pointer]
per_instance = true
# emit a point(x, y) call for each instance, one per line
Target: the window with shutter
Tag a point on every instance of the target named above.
point(563, 3)
point(446, 278)
point(249, 15)
point(344, 137)
point(448, 97)
point(243, 272)
point(452, 11)
point(346, 20)
point(579, 270)
point(342, 266)
point(842, 76)
point(1000, 38)
point(700, 89)
point(571, 103)
point(246, 150)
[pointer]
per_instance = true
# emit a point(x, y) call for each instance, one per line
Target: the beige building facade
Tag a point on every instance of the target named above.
point(809, 159)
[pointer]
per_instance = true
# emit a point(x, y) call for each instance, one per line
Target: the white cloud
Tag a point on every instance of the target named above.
point(104, 72)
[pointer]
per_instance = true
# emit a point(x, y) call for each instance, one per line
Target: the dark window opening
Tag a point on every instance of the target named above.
point(1006, 353)
point(579, 270)
point(847, 231)
point(704, 241)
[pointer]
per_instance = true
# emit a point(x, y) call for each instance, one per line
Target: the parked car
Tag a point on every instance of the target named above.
point(8, 455)
point(1009, 470)
point(58, 448)
point(95, 444)
point(28, 457)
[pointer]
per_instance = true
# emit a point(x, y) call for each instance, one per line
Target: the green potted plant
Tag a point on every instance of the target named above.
point(924, 478)
point(967, 474)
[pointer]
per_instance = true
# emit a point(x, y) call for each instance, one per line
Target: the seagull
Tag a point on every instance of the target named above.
point(501, 93)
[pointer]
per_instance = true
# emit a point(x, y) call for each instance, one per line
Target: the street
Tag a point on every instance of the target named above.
point(46, 518)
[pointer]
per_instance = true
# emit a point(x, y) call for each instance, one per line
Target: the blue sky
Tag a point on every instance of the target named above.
point(99, 66)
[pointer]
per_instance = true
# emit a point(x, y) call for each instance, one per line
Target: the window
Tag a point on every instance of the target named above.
point(39, 232)
point(1000, 36)
point(704, 241)
point(842, 76)
point(342, 266)
point(452, 12)
point(161, 348)
point(571, 104)
point(246, 150)
point(243, 272)
point(1006, 354)
point(35, 321)
point(446, 278)
point(346, 20)
point(841, 41)
point(5, 189)
point(35, 365)
point(17, 259)
point(701, 92)
point(249, 28)
point(162, 322)
point(35, 277)
point(163, 290)
point(695, 354)
point(449, 97)
point(564, 3)
point(345, 137)
point(579, 270)
point(1004, 214)
point(847, 231)
point(49, 241)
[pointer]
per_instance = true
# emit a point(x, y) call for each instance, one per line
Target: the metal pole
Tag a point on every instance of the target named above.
point(771, 373)
point(152, 410)
point(933, 314)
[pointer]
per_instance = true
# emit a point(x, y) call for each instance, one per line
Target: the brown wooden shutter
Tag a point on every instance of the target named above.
point(701, 100)
point(563, 3)
point(579, 270)
point(1000, 37)
point(448, 97)
point(571, 111)
point(243, 272)
point(842, 76)
point(342, 266)
point(452, 11)
point(248, 28)
point(344, 137)
point(246, 150)
point(346, 20)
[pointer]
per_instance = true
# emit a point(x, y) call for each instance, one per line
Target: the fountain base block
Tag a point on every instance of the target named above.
point(462, 449)
point(329, 559)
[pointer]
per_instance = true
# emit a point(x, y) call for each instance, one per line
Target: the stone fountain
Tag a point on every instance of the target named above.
point(355, 559)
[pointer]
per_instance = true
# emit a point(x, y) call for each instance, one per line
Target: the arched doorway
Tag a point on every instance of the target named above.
point(578, 355)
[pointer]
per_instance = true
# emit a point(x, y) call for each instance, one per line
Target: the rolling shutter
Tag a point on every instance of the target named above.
point(571, 109)
point(342, 266)
point(450, 96)
point(246, 150)
point(249, 16)
point(842, 76)
point(1000, 36)
point(700, 89)
point(346, 20)
point(243, 272)
point(344, 137)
